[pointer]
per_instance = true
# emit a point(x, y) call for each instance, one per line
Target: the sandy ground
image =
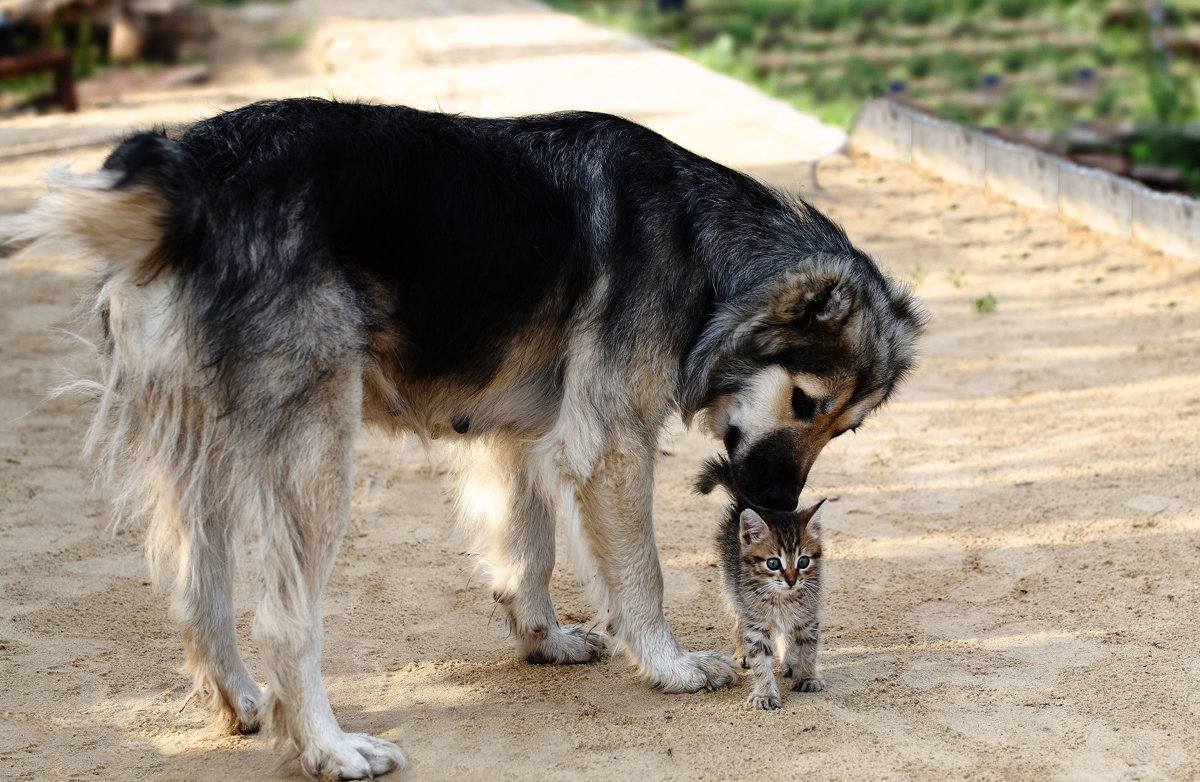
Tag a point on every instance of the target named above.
point(1013, 550)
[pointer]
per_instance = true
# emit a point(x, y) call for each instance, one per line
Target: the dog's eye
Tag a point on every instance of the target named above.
point(803, 405)
point(774, 564)
point(803, 563)
point(733, 436)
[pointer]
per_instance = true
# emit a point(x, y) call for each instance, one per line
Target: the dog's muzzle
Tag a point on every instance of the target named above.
point(773, 471)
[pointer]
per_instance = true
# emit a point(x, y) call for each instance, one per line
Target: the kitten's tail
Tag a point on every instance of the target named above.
point(715, 472)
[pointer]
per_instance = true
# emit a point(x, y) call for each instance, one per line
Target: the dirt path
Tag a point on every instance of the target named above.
point(1013, 550)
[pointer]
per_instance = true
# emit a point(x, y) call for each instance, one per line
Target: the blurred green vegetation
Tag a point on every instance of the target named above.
point(1126, 71)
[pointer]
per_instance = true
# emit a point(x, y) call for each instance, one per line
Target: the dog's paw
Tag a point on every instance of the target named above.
point(568, 645)
point(694, 671)
point(241, 715)
point(808, 685)
point(764, 702)
point(351, 756)
point(235, 707)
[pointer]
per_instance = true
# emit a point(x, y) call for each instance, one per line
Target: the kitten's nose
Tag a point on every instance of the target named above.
point(790, 578)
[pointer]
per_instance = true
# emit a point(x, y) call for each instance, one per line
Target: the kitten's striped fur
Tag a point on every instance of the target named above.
point(771, 561)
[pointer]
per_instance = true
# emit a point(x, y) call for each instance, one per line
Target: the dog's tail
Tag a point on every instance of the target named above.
point(135, 215)
point(715, 472)
point(121, 213)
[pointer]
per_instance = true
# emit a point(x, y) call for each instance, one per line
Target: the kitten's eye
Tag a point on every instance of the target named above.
point(803, 405)
point(803, 563)
point(774, 564)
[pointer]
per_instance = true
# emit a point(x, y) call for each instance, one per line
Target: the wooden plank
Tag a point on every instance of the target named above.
point(57, 61)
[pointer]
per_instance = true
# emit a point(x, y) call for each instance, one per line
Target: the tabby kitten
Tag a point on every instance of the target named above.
point(771, 561)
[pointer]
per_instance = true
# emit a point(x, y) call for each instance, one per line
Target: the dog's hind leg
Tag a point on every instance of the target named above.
point(616, 518)
point(202, 605)
point(302, 485)
point(501, 500)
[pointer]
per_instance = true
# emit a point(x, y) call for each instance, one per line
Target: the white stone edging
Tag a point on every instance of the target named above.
point(1099, 200)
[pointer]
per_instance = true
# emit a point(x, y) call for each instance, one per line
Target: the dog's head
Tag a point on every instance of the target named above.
point(808, 361)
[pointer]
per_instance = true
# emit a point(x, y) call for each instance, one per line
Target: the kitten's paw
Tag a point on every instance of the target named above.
point(351, 756)
point(809, 685)
point(567, 645)
point(694, 671)
point(763, 702)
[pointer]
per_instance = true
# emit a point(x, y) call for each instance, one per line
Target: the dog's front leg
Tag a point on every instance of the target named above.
point(500, 499)
point(616, 505)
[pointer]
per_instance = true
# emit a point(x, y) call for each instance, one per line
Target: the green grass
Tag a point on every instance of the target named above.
point(1034, 66)
point(986, 303)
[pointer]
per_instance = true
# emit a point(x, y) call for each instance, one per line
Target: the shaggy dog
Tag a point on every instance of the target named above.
point(544, 290)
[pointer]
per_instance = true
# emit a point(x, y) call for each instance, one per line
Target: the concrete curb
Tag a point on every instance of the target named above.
point(1099, 200)
point(954, 152)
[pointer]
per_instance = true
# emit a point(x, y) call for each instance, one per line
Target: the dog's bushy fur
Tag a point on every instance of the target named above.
point(543, 290)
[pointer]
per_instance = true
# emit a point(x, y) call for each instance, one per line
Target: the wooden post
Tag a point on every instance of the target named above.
point(57, 61)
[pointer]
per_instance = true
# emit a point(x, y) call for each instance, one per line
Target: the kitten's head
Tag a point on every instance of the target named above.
point(782, 550)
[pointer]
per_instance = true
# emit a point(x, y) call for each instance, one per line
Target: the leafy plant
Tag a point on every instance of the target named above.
point(959, 68)
point(720, 55)
point(293, 41)
point(1013, 9)
point(919, 12)
point(1013, 60)
point(864, 78)
point(955, 112)
point(824, 15)
point(920, 66)
point(742, 31)
point(1173, 99)
point(986, 303)
point(868, 10)
point(1011, 108)
point(1170, 148)
point(1106, 100)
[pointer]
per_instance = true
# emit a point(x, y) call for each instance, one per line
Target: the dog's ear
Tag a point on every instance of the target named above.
point(830, 305)
point(820, 303)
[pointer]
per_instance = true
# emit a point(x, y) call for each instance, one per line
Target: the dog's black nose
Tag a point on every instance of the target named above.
point(782, 496)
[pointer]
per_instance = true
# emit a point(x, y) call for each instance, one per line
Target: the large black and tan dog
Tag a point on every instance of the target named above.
point(544, 290)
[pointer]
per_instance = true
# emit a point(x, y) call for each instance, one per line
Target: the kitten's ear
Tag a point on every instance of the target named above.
point(753, 528)
point(812, 518)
